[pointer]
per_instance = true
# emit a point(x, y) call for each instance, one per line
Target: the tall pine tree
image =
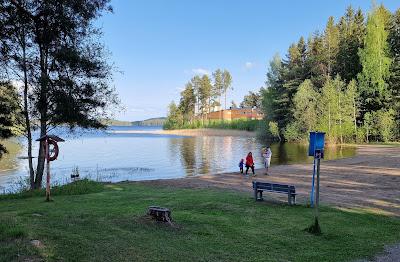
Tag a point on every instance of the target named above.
point(317, 61)
point(331, 44)
point(351, 38)
point(394, 80)
point(375, 63)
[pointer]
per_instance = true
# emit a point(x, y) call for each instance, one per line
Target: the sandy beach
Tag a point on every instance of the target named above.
point(367, 182)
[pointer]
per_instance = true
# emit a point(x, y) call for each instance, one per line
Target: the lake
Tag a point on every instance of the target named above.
point(107, 156)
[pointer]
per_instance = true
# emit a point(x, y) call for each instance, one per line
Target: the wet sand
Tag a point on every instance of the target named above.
point(367, 182)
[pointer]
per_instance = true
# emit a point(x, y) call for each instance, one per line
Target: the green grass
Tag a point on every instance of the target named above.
point(211, 225)
point(14, 243)
point(83, 186)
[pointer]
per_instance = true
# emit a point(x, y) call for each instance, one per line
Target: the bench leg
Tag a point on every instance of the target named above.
point(258, 195)
point(291, 199)
point(261, 196)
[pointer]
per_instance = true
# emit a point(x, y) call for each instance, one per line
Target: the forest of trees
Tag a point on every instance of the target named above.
point(344, 81)
point(200, 94)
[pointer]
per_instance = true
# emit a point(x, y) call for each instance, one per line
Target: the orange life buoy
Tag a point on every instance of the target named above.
point(54, 154)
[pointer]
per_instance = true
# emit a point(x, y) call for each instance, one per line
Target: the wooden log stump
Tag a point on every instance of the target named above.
point(160, 214)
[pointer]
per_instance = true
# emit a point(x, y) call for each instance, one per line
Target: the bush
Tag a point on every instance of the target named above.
point(361, 133)
point(385, 124)
point(84, 186)
point(292, 133)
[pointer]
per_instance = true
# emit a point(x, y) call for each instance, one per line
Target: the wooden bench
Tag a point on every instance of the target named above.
point(259, 187)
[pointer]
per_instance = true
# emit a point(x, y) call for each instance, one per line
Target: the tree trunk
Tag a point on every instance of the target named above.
point(329, 57)
point(220, 110)
point(225, 99)
point(26, 115)
point(29, 136)
point(329, 119)
point(43, 119)
point(355, 118)
point(41, 157)
point(208, 110)
point(340, 119)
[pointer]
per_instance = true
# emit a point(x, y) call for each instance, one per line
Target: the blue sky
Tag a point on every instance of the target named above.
point(158, 45)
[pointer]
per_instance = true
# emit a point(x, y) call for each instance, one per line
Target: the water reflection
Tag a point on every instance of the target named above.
point(291, 153)
point(9, 161)
point(188, 155)
point(203, 155)
point(117, 157)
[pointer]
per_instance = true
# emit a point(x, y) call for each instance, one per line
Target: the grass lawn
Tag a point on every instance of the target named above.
point(212, 225)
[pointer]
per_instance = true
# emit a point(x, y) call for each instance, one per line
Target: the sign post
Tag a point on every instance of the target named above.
point(316, 149)
point(312, 186)
point(51, 153)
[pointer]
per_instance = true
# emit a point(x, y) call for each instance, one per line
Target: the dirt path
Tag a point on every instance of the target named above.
point(368, 181)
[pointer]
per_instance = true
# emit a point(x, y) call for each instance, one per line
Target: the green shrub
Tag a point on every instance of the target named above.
point(292, 133)
point(84, 186)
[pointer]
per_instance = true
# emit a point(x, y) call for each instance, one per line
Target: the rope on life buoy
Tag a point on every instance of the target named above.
point(55, 151)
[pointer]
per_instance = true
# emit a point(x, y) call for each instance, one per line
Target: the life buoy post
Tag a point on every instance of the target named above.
point(51, 150)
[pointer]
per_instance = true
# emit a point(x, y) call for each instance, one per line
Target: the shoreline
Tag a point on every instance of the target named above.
point(191, 132)
point(198, 132)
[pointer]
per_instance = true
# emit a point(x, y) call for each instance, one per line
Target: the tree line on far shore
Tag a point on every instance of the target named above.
point(197, 99)
point(344, 81)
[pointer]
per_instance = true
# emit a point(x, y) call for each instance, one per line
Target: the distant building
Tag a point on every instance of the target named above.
point(235, 113)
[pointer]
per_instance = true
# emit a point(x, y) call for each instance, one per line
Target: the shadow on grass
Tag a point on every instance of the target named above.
point(214, 225)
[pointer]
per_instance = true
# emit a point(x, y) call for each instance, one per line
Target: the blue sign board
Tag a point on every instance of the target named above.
point(317, 142)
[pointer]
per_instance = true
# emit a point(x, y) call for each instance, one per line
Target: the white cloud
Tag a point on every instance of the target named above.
point(249, 65)
point(201, 71)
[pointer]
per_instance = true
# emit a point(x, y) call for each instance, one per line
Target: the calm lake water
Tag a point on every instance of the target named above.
point(106, 156)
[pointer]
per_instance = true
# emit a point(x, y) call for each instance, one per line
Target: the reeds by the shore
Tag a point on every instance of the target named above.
point(237, 124)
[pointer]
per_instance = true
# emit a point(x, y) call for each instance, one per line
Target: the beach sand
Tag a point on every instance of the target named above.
point(367, 182)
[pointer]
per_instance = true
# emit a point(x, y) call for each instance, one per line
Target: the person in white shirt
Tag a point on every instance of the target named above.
point(267, 154)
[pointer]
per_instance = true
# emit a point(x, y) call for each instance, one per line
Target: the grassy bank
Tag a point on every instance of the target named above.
point(211, 225)
point(237, 124)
